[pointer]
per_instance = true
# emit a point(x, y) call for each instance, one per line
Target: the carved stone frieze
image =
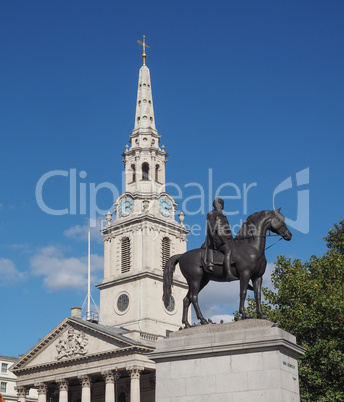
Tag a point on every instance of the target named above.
point(71, 344)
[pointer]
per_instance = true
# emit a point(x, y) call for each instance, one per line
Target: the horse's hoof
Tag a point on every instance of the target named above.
point(204, 322)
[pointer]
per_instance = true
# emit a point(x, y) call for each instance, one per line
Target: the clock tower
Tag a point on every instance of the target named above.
point(143, 234)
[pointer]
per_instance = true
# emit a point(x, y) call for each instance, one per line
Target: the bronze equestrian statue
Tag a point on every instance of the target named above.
point(248, 262)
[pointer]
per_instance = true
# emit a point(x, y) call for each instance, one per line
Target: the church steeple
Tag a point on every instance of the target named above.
point(143, 235)
point(144, 160)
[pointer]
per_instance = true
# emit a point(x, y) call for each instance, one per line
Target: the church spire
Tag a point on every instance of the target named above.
point(144, 160)
point(144, 233)
point(144, 116)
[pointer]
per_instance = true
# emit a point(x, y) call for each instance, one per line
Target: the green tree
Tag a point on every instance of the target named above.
point(308, 301)
point(335, 238)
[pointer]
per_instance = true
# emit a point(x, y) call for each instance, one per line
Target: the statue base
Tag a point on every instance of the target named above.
point(246, 360)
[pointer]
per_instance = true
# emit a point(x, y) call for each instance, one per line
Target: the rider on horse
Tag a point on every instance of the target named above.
point(218, 238)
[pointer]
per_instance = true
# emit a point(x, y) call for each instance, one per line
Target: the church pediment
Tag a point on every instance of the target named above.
point(74, 339)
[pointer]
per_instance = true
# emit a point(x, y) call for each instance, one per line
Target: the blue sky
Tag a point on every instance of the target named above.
point(248, 93)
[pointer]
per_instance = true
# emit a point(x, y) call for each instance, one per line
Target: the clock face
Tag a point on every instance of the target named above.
point(165, 206)
point(126, 206)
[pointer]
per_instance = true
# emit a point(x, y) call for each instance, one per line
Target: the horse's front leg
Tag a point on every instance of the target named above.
point(244, 279)
point(194, 290)
point(257, 287)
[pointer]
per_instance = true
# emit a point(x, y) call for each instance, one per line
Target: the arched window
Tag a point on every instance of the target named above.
point(134, 172)
point(157, 173)
point(165, 251)
point(125, 255)
point(145, 171)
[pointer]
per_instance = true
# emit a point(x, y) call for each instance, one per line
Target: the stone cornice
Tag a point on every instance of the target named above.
point(235, 348)
point(240, 337)
point(40, 345)
point(93, 357)
point(139, 195)
point(69, 321)
point(134, 149)
point(144, 131)
point(8, 359)
point(122, 225)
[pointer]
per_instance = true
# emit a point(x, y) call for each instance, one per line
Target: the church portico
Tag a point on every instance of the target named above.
point(134, 383)
point(107, 363)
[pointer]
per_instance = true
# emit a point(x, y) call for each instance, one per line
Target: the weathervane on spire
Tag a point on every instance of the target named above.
point(143, 44)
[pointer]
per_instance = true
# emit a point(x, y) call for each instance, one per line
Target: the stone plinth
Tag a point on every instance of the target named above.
point(240, 361)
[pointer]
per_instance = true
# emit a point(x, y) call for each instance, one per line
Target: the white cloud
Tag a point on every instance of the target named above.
point(9, 274)
point(270, 267)
point(22, 247)
point(62, 272)
point(224, 317)
point(80, 232)
point(77, 232)
point(219, 298)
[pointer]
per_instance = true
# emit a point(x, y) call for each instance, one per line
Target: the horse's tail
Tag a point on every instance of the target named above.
point(170, 267)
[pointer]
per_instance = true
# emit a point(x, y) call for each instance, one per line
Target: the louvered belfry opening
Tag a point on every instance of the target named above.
point(125, 255)
point(166, 251)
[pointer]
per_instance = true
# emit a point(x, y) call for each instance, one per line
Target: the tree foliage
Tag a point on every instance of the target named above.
point(335, 238)
point(308, 301)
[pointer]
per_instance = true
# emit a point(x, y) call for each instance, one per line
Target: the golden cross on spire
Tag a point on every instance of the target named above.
point(143, 44)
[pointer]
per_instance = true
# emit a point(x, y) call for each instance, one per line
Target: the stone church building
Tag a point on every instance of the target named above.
point(84, 360)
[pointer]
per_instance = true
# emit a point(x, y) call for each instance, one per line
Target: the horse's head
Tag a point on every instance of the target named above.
point(278, 226)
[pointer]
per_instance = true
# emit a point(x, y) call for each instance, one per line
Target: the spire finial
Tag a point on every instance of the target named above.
point(143, 44)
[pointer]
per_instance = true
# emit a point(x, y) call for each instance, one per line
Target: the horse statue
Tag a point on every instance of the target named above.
point(248, 263)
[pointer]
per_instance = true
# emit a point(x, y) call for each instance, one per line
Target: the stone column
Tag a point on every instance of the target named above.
point(109, 386)
point(42, 390)
point(85, 382)
point(63, 387)
point(21, 391)
point(135, 372)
